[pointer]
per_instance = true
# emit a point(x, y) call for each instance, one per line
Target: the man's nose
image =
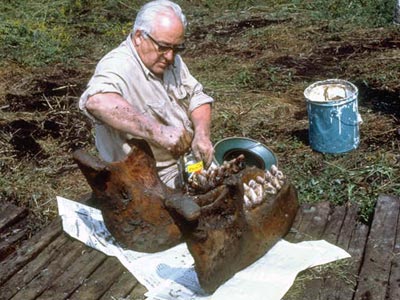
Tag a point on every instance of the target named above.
point(169, 55)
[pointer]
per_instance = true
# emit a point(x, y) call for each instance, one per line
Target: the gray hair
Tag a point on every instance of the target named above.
point(149, 12)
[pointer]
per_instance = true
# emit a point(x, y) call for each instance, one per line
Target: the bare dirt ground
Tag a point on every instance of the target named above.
point(267, 64)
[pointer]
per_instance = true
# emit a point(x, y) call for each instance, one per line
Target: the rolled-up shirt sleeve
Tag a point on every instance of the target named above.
point(105, 80)
point(197, 97)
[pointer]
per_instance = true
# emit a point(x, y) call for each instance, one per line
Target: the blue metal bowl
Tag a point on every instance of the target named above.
point(255, 153)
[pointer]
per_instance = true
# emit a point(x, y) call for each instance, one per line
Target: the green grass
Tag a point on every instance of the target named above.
point(40, 32)
point(354, 12)
point(36, 33)
point(357, 177)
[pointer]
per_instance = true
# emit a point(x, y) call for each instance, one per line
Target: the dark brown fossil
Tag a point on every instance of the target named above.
point(222, 234)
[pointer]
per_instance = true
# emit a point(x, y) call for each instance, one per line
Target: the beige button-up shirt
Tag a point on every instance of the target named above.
point(169, 101)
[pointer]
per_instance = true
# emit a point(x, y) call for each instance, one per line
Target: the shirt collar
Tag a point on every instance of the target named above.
point(131, 46)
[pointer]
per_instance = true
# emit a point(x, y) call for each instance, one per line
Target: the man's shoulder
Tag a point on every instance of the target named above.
point(121, 53)
point(119, 59)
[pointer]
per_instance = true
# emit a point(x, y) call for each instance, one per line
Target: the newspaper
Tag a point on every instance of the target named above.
point(170, 274)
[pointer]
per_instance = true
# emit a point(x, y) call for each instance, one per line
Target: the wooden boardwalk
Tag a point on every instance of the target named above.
point(51, 265)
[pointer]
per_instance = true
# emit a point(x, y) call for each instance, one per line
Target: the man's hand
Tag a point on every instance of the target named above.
point(201, 145)
point(203, 149)
point(176, 140)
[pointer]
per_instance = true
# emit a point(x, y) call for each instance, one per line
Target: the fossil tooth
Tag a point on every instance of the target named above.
point(252, 195)
point(269, 188)
point(202, 180)
point(274, 169)
point(247, 202)
point(252, 183)
point(258, 189)
point(259, 192)
point(268, 175)
point(275, 183)
point(279, 175)
point(260, 179)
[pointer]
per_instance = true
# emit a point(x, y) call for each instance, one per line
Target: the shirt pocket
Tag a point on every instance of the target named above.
point(178, 93)
point(158, 109)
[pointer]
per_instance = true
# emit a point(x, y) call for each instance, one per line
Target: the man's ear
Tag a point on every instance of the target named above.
point(137, 38)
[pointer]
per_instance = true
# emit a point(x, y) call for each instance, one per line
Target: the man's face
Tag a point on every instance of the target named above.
point(156, 48)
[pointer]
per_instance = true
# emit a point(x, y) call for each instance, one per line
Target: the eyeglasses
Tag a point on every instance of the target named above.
point(164, 48)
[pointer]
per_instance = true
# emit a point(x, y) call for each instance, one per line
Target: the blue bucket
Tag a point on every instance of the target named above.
point(333, 116)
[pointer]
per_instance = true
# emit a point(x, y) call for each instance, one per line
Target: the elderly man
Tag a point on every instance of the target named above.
point(142, 93)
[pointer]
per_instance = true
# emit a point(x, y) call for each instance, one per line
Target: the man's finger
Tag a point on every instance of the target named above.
point(208, 159)
point(187, 138)
point(197, 154)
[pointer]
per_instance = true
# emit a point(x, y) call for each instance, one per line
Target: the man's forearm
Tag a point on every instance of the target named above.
point(201, 119)
point(115, 111)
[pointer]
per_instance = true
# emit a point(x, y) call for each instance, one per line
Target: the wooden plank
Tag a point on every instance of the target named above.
point(100, 281)
point(394, 280)
point(13, 229)
point(374, 274)
point(335, 222)
point(10, 214)
point(332, 233)
point(74, 276)
point(138, 293)
point(313, 220)
point(29, 250)
point(291, 236)
point(339, 282)
point(20, 279)
point(121, 287)
point(353, 238)
point(61, 259)
point(353, 235)
point(85, 279)
point(10, 239)
point(314, 288)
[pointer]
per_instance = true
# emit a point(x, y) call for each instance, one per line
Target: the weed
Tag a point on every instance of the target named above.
point(245, 78)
